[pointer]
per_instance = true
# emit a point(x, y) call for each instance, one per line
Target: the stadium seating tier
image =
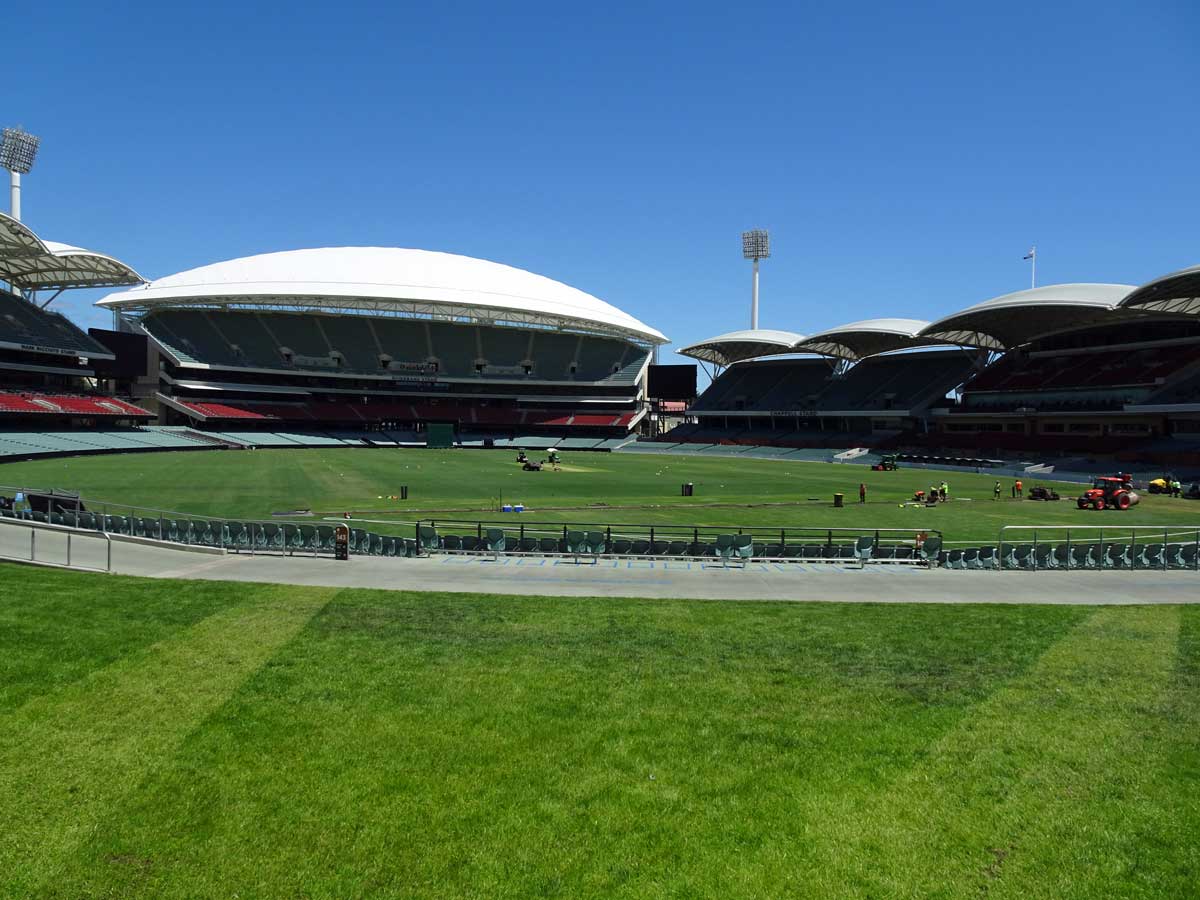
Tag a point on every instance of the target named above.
point(317, 343)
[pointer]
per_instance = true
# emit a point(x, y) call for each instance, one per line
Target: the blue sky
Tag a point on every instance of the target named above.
point(904, 156)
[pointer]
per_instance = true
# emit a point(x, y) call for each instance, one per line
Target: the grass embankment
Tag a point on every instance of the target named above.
point(593, 487)
point(187, 739)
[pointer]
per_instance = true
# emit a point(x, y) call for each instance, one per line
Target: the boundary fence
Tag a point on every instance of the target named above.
point(858, 546)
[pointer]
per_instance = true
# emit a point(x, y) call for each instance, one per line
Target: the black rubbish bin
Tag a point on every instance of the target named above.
point(688, 489)
point(404, 492)
point(837, 500)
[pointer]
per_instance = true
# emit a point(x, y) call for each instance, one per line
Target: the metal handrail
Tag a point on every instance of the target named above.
point(881, 538)
point(771, 534)
point(34, 527)
point(103, 509)
point(1126, 535)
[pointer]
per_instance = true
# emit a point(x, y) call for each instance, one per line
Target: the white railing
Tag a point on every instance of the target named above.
point(24, 540)
point(1103, 547)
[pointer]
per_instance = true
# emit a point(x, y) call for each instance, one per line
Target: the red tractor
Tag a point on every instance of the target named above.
point(1110, 492)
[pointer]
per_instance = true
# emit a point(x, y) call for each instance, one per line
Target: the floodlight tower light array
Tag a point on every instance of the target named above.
point(756, 245)
point(18, 149)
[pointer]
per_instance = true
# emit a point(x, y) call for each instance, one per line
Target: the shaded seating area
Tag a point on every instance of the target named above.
point(319, 343)
point(24, 324)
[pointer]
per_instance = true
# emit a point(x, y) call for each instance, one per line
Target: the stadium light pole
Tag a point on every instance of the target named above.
point(756, 245)
point(17, 151)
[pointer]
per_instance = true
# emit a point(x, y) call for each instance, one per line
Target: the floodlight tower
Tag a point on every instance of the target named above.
point(17, 151)
point(756, 245)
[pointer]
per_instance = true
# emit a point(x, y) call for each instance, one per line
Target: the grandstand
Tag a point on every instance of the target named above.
point(368, 346)
point(1098, 369)
point(852, 385)
point(52, 373)
point(372, 338)
point(1113, 387)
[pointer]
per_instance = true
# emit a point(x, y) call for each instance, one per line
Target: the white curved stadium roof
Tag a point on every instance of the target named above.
point(1013, 319)
point(1178, 292)
point(29, 263)
point(737, 346)
point(857, 340)
point(387, 279)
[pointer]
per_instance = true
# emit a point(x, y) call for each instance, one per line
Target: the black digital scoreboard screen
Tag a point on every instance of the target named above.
point(129, 350)
point(671, 382)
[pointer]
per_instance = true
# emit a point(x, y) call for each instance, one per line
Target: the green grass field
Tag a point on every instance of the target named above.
point(192, 739)
point(593, 487)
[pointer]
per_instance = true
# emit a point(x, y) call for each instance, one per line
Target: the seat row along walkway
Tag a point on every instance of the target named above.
point(680, 579)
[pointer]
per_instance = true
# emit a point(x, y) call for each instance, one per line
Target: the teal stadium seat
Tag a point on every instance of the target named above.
point(577, 544)
point(596, 543)
point(864, 547)
point(495, 542)
point(428, 537)
point(743, 548)
point(238, 535)
point(723, 547)
point(325, 538)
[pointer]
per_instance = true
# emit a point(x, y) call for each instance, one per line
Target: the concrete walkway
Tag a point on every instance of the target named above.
point(610, 578)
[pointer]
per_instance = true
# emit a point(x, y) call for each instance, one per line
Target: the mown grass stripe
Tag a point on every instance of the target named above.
point(67, 759)
point(57, 628)
point(1025, 796)
point(436, 745)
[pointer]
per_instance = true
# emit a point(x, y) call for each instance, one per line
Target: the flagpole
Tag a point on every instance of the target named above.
point(1033, 268)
